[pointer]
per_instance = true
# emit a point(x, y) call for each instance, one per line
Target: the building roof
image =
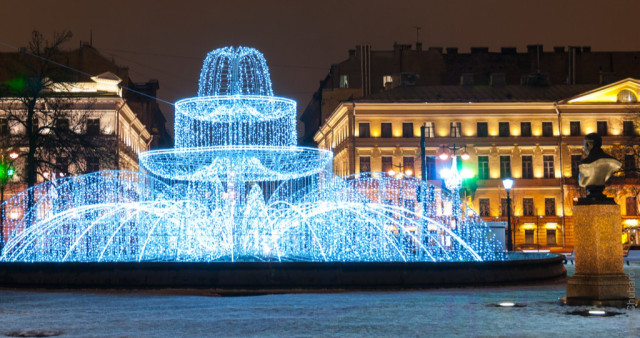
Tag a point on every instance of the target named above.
point(462, 93)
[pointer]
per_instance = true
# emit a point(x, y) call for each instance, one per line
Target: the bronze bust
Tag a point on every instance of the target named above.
point(595, 171)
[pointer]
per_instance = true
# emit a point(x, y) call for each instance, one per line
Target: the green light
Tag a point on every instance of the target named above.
point(466, 173)
point(16, 84)
point(10, 172)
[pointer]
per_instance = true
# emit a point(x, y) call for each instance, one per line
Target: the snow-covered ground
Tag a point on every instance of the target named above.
point(442, 312)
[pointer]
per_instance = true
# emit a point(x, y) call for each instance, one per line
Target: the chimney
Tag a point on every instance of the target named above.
point(532, 49)
point(477, 50)
point(452, 50)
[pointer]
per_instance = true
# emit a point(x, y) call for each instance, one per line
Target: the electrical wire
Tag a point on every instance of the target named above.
point(82, 72)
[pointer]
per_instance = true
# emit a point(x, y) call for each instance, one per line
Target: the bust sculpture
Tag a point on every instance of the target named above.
point(595, 171)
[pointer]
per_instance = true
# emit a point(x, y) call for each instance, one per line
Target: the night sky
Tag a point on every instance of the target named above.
point(167, 40)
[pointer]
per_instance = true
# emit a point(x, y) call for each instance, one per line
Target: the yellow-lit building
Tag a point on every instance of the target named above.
point(531, 134)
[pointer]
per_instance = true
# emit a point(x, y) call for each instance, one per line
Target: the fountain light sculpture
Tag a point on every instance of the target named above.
point(237, 188)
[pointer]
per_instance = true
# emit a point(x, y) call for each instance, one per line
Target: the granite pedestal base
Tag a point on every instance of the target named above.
point(599, 278)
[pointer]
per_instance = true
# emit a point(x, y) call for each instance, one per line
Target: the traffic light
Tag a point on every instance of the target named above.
point(6, 172)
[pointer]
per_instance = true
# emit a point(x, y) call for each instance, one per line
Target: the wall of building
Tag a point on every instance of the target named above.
point(340, 133)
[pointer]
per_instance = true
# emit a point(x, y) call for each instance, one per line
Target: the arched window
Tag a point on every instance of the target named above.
point(627, 96)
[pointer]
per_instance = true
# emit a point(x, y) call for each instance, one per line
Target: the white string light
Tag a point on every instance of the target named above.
point(236, 188)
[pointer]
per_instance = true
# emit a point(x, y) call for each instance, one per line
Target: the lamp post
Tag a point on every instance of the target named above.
point(508, 184)
point(452, 177)
point(406, 172)
point(6, 173)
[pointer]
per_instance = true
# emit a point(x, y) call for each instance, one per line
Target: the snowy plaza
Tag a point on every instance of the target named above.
point(434, 313)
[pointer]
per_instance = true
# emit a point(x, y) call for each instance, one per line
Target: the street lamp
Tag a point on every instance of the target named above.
point(508, 184)
point(406, 172)
point(452, 177)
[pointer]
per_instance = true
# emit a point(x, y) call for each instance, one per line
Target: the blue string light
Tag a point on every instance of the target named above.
point(236, 188)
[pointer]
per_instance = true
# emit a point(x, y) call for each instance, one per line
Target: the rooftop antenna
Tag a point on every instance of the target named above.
point(417, 33)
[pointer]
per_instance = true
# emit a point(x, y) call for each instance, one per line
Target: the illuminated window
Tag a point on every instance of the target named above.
point(93, 164)
point(387, 80)
point(385, 130)
point(344, 81)
point(548, 166)
point(628, 128)
point(365, 164)
point(483, 129)
point(407, 129)
point(455, 129)
point(550, 206)
point(527, 207)
point(503, 129)
point(431, 168)
point(575, 163)
point(387, 163)
point(529, 236)
point(632, 206)
point(429, 130)
point(628, 96)
point(485, 207)
point(527, 166)
point(574, 128)
point(363, 129)
point(408, 164)
point(93, 126)
point(547, 129)
point(551, 236)
point(4, 127)
point(505, 166)
point(525, 129)
point(483, 167)
point(602, 128)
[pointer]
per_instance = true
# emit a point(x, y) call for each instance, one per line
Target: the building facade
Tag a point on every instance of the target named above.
point(95, 106)
point(533, 134)
point(366, 72)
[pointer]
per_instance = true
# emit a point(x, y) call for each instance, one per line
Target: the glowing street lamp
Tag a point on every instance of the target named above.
point(452, 177)
point(508, 184)
point(406, 172)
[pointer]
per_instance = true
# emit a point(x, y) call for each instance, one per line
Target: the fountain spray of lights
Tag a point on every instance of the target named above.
point(237, 188)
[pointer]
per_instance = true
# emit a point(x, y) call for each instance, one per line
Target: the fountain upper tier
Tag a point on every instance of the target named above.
point(235, 125)
point(235, 105)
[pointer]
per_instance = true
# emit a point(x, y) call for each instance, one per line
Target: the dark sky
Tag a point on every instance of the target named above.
point(167, 40)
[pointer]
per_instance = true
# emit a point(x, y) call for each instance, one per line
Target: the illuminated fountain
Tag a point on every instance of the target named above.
point(237, 188)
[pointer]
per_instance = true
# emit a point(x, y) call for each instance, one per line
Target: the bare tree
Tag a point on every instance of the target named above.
point(46, 117)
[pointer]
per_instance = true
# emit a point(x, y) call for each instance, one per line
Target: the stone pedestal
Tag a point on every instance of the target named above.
point(599, 278)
